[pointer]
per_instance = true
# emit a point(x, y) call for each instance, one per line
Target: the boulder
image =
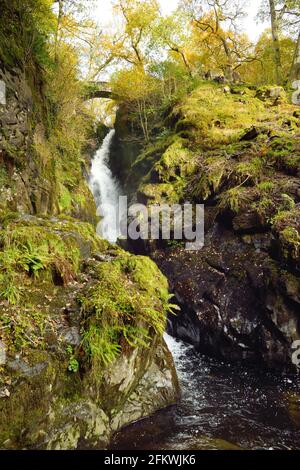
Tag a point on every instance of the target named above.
point(273, 94)
point(235, 302)
point(58, 389)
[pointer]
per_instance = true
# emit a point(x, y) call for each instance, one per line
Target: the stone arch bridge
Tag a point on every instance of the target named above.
point(100, 90)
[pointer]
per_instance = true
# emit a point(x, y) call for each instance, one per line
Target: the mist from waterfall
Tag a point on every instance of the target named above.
point(106, 191)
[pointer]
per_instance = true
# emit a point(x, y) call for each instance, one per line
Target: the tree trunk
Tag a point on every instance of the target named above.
point(228, 71)
point(295, 69)
point(59, 19)
point(276, 44)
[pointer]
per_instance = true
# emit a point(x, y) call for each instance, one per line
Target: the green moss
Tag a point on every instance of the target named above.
point(65, 200)
point(266, 186)
point(208, 177)
point(235, 199)
point(176, 162)
point(3, 177)
point(284, 153)
point(291, 236)
point(217, 117)
point(125, 306)
point(36, 254)
point(286, 226)
point(251, 170)
point(163, 192)
point(151, 154)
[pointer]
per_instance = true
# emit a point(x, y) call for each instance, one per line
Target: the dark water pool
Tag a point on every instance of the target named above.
point(222, 407)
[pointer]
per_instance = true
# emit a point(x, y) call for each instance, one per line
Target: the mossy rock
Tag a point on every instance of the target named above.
point(57, 392)
point(272, 94)
point(293, 403)
point(286, 226)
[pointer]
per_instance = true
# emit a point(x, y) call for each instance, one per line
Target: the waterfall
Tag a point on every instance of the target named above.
point(106, 191)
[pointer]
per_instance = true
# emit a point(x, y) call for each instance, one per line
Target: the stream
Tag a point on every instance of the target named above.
point(222, 406)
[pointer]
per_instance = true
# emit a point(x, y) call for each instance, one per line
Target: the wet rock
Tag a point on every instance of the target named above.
point(71, 336)
point(157, 388)
point(234, 299)
point(251, 134)
point(248, 222)
point(87, 426)
point(24, 369)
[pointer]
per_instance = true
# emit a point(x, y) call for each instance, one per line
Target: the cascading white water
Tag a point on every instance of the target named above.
point(106, 191)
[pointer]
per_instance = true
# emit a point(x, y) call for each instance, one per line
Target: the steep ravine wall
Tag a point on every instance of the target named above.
point(81, 321)
point(236, 151)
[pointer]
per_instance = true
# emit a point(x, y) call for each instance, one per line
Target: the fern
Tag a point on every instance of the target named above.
point(234, 199)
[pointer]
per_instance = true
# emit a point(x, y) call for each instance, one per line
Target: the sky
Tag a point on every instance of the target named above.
point(104, 15)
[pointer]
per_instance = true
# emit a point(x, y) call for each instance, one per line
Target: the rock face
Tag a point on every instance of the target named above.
point(81, 322)
point(236, 303)
point(239, 295)
point(81, 360)
point(30, 175)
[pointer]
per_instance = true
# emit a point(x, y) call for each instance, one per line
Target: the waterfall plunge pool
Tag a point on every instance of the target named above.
point(222, 406)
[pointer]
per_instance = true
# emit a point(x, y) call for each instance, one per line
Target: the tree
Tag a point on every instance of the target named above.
point(292, 16)
point(218, 23)
point(73, 22)
point(140, 91)
point(131, 43)
point(295, 68)
point(275, 22)
point(262, 71)
point(285, 16)
point(171, 33)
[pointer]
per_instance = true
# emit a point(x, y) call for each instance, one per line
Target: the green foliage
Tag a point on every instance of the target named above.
point(251, 170)
point(217, 117)
point(102, 344)
point(288, 203)
point(73, 362)
point(286, 227)
point(234, 199)
point(10, 291)
point(25, 28)
point(38, 246)
point(176, 162)
point(266, 186)
point(262, 72)
point(36, 255)
point(3, 177)
point(33, 258)
point(129, 301)
point(23, 327)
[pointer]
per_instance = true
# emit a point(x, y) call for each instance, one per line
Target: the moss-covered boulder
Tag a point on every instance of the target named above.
point(81, 326)
point(239, 155)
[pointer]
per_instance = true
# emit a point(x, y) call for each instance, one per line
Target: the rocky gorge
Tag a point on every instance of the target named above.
point(240, 293)
point(108, 343)
point(70, 302)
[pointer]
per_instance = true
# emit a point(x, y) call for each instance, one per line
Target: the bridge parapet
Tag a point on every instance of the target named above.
point(100, 90)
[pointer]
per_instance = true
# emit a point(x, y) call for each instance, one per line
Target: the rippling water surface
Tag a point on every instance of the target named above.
point(222, 407)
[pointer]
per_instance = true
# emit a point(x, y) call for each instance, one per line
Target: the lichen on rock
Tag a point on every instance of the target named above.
point(82, 336)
